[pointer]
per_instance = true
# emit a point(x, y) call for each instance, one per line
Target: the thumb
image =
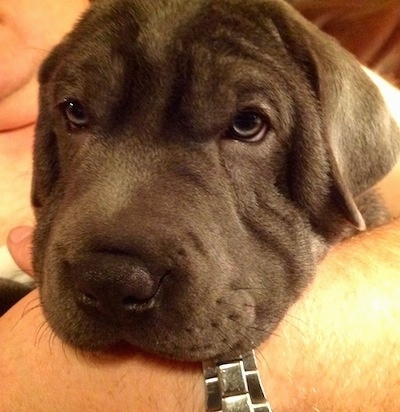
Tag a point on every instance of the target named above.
point(19, 242)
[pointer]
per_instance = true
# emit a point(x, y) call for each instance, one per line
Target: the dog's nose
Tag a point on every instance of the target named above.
point(114, 284)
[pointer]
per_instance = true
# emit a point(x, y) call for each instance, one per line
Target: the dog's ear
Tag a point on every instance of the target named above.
point(45, 153)
point(361, 139)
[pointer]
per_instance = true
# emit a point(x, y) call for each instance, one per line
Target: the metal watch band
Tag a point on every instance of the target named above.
point(235, 386)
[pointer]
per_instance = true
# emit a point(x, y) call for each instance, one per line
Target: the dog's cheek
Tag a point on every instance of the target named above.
point(243, 311)
point(45, 222)
point(220, 328)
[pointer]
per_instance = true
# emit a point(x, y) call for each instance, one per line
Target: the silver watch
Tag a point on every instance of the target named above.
point(235, 386)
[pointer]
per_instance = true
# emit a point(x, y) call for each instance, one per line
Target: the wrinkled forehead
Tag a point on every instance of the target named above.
point(151, 51)
point(222, 27)
point(152, 33)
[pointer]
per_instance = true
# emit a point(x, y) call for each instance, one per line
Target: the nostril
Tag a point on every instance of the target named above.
point(131, 303)
point(88, 299)
point(90, 302)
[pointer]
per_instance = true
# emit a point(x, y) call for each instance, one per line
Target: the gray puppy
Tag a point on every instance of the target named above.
point(193, 161)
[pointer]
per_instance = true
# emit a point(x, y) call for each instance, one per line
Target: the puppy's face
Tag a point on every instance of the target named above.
point(180, 177)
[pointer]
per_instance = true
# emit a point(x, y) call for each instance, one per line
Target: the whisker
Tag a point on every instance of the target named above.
point(42, 330)
point(297, 318)
point(64, 348)
point(28, 308)
point(298, 329)
point(36, 49)
point(259, 355)
point(265, 330)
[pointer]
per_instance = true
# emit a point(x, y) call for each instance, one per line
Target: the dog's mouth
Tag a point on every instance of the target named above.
point(151, 333)
point(180, 320)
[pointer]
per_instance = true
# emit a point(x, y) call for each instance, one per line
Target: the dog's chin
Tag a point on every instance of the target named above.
point(193, 343)
point(185, 350)
point(214, 350)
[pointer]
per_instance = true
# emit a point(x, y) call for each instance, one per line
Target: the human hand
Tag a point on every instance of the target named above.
point(19, 243)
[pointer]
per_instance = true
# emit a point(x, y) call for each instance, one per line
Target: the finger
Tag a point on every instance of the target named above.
point(19, 242)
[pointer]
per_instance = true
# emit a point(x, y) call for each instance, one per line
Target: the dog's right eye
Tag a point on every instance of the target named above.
point(75, 114)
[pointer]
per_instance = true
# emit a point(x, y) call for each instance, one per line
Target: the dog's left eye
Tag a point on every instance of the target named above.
point(75, 113)
point(249, 126)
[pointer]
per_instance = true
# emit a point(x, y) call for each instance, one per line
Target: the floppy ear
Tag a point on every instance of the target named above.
point(45, 153)
point(46, 170)
point(361, 139)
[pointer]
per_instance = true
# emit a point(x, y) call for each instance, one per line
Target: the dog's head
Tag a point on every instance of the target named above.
point(192, 159)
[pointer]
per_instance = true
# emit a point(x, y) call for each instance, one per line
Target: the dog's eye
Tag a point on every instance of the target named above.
point(249, 126)
point(75, 113)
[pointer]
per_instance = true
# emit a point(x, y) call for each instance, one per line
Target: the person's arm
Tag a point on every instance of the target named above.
point(337, 350)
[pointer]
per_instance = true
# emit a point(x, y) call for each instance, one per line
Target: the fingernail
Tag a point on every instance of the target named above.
point(19, 234)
